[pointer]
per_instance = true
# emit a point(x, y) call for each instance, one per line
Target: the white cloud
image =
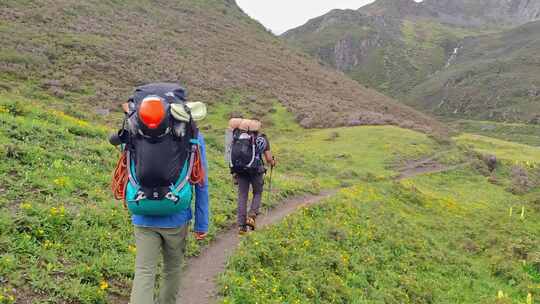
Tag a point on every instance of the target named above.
point(282, 15)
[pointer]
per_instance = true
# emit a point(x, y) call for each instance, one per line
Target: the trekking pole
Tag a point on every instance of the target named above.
point(268, 196)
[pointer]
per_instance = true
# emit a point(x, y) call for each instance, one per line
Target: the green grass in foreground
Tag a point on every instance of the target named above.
point(64, 240)
point(440, 238)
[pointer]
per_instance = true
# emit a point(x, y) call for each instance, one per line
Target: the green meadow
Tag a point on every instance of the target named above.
point(528, 134)
point(443, 238)
point(505, 150)
point(63, 239)
point(460, 236)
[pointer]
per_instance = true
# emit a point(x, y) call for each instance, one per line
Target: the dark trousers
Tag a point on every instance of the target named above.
point(256, 181)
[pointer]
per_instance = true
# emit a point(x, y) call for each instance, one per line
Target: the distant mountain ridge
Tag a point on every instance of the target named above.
point(390, 47)
point(397, 45)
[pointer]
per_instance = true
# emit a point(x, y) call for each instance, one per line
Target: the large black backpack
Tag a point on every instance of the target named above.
point(244, 158)
point(159, 159)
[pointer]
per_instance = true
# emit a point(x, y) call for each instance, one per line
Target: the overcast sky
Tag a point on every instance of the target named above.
point(283, 15)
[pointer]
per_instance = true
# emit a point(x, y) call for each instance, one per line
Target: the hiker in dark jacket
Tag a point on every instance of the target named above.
point(250, 176)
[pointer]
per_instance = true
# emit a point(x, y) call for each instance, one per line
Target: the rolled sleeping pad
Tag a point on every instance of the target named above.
point(244, 125)
point(234, 123)
point(250, 125)
point(255, 125)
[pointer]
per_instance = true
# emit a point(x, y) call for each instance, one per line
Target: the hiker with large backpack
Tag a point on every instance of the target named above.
point(163, 166)
point(247, 151)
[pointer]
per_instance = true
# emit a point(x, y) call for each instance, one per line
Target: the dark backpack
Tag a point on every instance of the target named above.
point(160, 158)
point(244, 157)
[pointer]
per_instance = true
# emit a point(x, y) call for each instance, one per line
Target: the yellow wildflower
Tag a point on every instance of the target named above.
point(47, 244)
point(54, 211)
point(26, 206)
point(61, 181)
point(103, 285)
point(132, 249)
point(529, 298)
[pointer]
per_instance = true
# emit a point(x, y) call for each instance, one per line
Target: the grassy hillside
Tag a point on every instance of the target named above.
point(502, 149)
point(94, 52)
point(494, 77)
point(62, 238)
point(453, 237)
point(528, 134)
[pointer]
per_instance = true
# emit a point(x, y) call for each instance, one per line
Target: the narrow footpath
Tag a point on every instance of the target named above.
point(199, 278)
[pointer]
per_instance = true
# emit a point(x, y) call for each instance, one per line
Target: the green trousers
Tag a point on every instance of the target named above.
point(150, 243)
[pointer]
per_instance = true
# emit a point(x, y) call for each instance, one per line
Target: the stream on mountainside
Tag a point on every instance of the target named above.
point(453, 56)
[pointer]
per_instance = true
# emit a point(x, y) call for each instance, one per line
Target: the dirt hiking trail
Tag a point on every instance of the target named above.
point(199, 278)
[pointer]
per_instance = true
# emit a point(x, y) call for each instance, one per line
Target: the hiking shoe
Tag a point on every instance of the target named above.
point(242, 230)
point(250, 222)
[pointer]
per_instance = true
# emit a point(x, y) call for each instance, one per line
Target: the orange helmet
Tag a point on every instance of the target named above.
point(152, 112)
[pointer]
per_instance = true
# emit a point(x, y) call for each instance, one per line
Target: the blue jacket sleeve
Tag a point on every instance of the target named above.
point(202, 198)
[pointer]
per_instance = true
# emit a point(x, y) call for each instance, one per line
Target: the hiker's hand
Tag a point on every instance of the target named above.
point(200, 236)
point(273, 163)
point(235, 179)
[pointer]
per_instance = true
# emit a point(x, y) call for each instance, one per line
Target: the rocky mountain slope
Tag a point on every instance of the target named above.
point(495, 77)
point(396, 45)
point(460, 12)
point(392, 45)
point(95, 51)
